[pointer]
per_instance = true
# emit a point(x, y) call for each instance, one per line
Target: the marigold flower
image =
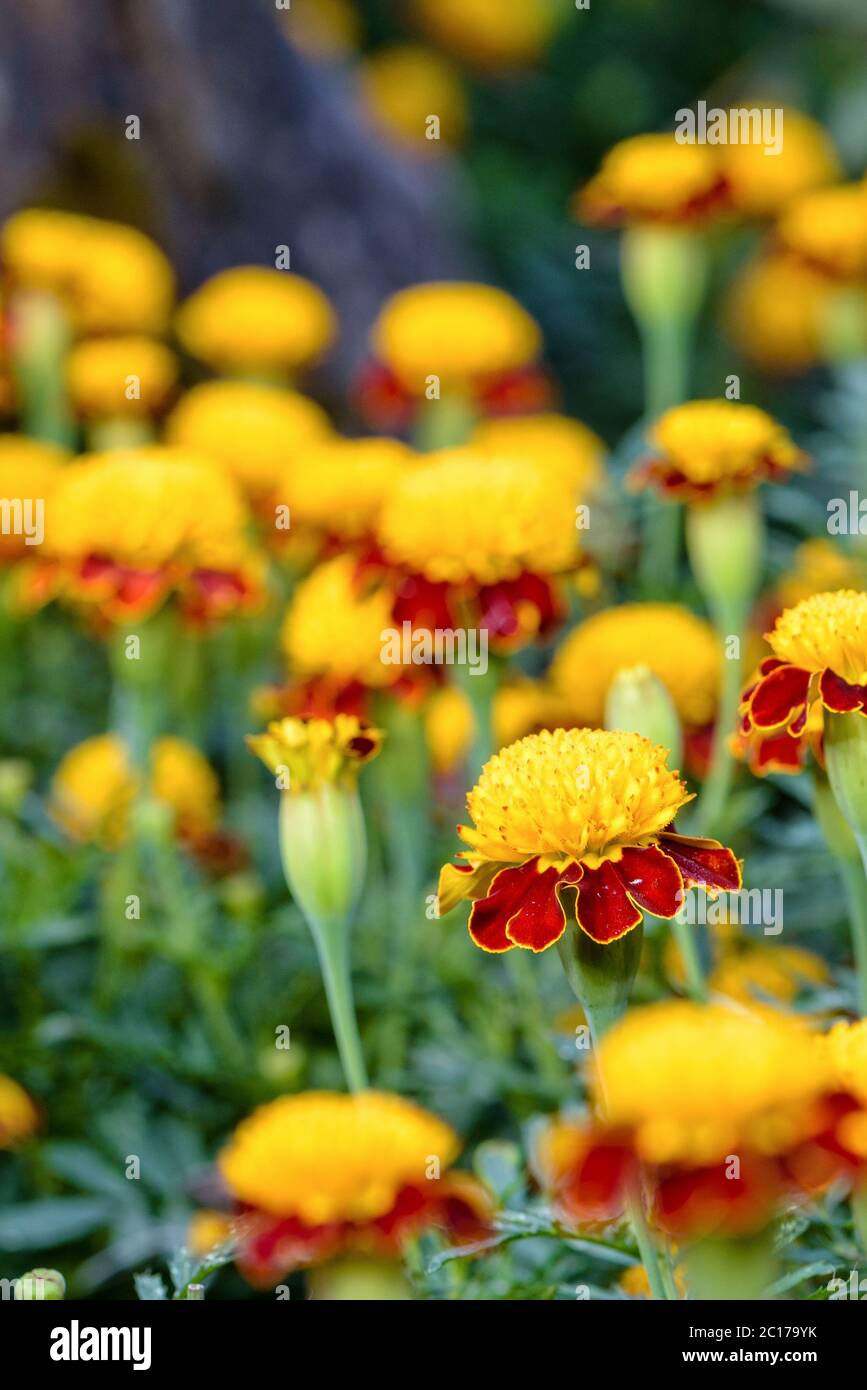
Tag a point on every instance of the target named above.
point(487, 34)
point(254, 430)
point(680, 649)
point(556, 439)
point(95, 786)
point(520, 707)
point(256, 318)
point(122, 376)
point(847, 1045)
point(317, 751)
point(320, 1174)
point(705, 448)
point(403, 84)
point(775, 311)
point(333, 627)
point(654, 178)
point(43, 247)
point(19, 1117)
point(827, 229)
point(207, 1230)
point(758, 971)
point(580, 810)
point(128, 528)
point(338, 487)
point(29, 472)
point(818, 567)
point(760, 186)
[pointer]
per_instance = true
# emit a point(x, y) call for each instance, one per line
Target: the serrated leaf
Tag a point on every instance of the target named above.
point(52, 1221)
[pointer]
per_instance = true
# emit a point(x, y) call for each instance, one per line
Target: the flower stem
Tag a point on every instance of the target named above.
point(40, 341)
point(646, 1248)
point(718, 783)
point(332, 947)
point(685, 938)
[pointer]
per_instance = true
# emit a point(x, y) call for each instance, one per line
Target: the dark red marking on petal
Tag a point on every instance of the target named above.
point(703, 863)
point(540, 919)
point(652, 879)
point(778, 695)
point(604, 909)
point(838, 695)
point(491, 915)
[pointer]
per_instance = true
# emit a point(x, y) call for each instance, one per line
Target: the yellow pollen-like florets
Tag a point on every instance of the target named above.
point(316, 751)
point(825, 630)
point(721, 442)
point(255, 317)
point(576, 794)
point(334, 627)
point(326, 1157)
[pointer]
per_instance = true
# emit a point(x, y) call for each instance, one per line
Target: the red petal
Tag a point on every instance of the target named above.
point(838, 695)
point(652, 879)
point(778, 695)
point(596, 1190)
point(779, 753)
point(703, 863)
point(521, 909)
point(604, 910)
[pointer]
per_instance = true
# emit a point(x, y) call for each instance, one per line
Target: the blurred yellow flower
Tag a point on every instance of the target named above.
point(455, 331)
point(548, 437)
point(758, 970)
point(404, 87)
point(337, 487)
point(825, 631)
point(94, 787)
point(653, 178)
point(207, 1230)
point(681, 650)
point(521, 707)
point(29, 473)
point(703, 448)
point(120, 376)
point(774, 313)
point(19, 1117)
point(334, 624)
point(847, 1050)
point(255, 318)
point(316, 751)
point(827, 229)
point(761, 184)
point(819, 567)
point(487, 33)
point(254, 430)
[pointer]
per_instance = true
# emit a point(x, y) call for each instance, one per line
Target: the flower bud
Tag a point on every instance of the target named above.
point(725, 540)
point(638, 703)
point(664, 272)
point(39, 1284)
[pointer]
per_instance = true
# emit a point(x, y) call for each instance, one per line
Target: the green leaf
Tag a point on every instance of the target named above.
point(150, 1288)
point(52, 1221)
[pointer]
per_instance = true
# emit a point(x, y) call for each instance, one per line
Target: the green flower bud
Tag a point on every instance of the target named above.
point(39, 1284)
point(639, 703)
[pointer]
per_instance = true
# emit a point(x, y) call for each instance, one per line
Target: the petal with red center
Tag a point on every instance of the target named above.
point(703, 863)
point(778, 695)
point(604, 909)
point(596, 1189)
point(461, 881)
point(652, 880)
point(540, 919)
point(838, 695)
point(491, 915)
point(778, 753)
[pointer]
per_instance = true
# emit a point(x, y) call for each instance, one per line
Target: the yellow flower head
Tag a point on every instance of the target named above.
point(315, 751)
point(775, 311)
point(333, 626)
point(255, 431)
point(457, 332)
point(324, 1157)
point(680, 649)
point(705, 447)
point(464, 515)
point(818, 567)
point(571, 794)
point(486, 33)
point(521, 707)
point(29, 473)
point(94, 786)
point(774, 972)
point(555, 439)
point(827, 229)
point(761, 184)
point(207, 1230)
point(256, 318)
point(847, 1049)
point(338, 487)
point(402, 85)
point(19, 1117)
point(42, 248)
point(109, 377)
point(448, 728)
point(653, 178)
point(693, 1081)
point(826, 630)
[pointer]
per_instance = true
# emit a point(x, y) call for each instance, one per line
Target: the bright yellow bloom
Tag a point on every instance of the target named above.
point(818, 567)
point(254, 318)
point(653, 178)
point(577, 794)
point(457, 332)
point(703, 447)
point(680, 649)
point(774, 313)
point(110, 377)
point(42, 248)
point(487, 33)
point(778, 972)
point(696, 1082)
point(325, 1157)
point(18, 1115)
point(333, 626)
point(94, 787)
point(761, 184)
point(828, 230)
point(826, 630)
point(255, 431)
point(29, 473)
point(404, 85)
point(316, 751)
point(470, 516)
point(847, 1049)
point(338, 487)
point(554, 439)
point(521, 707)
point(448, 728)
point(207, 1230)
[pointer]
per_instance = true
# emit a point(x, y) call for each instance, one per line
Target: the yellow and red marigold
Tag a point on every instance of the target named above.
point(819, 663)
point(585, 816)
point(654, 178)
point(321, 1174)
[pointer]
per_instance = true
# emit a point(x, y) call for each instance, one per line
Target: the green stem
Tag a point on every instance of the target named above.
point(444, 423)
point(120, 433)
point(718, 783)
point(481, 691)
point(41, 339)
point(332, 946)
point(684, 935)
point(855, 884)
point(646, 1248)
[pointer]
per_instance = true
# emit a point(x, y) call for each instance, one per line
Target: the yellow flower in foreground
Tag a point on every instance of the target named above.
point(110, 377)
point(455, 331)
point(316, 751)
point(333, 626)
point(486, 33)
point(827, 229)
point(94, 786)
point(465, 515)
point(653, 178)
point(761, 184)
point(693, 1082)
point(681, 650)
point(825, 631)
point(555, 439)
point(255, 431)
point(337, 487)
point(29, 473)
point(404, 85)
point(703, 448)
point(847, 1050)
point(18, 1115)
point(256, 318)
point(774, 313)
